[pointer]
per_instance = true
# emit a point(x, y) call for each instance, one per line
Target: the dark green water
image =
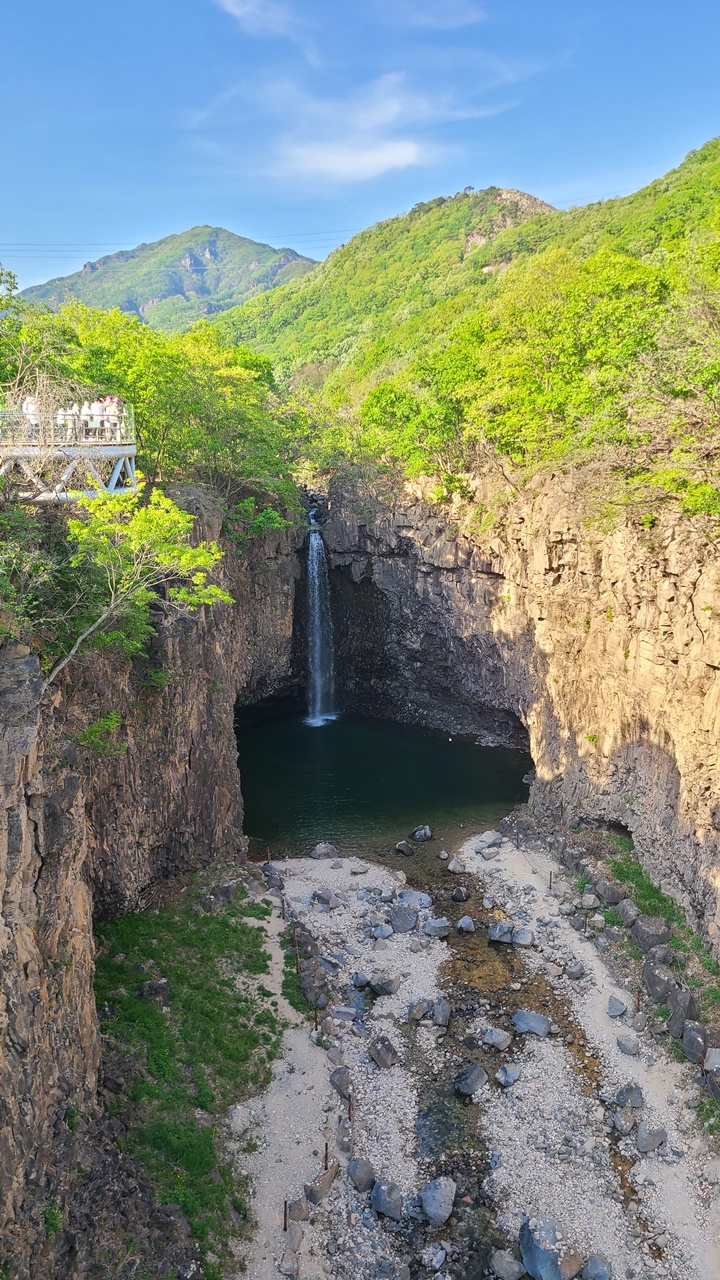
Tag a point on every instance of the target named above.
point(365, 784)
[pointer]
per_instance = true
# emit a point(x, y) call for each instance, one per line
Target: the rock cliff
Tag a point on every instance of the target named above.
point(602, 650)
point(82, 833)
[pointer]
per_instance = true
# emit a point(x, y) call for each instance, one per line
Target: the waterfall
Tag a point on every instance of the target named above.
point(321, 642)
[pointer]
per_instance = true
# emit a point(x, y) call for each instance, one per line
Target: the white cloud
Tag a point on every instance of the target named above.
point(352, 161)
point(442, 15)
point(261, 17)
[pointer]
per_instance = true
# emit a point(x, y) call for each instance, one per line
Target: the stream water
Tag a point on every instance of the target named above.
point(366, 784)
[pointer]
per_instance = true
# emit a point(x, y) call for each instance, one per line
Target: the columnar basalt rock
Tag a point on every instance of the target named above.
point(599, 650)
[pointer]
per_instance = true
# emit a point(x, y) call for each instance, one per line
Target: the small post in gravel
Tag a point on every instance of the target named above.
point(326, 1155)
point(285, 1217)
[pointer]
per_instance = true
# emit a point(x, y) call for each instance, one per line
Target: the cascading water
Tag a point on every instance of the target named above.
point(321, 642)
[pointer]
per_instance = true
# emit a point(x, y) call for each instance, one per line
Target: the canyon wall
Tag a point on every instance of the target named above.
point(84, 833)
point(600, 649)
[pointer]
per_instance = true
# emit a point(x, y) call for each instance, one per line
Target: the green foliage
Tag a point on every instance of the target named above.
point(244, 521)
point(173, 282)
point(52, 1219)
point(612, 917)
point(708, 1111)
point(651, 900)
point(72, 1115)
point(212, 1048)
point(99, 737)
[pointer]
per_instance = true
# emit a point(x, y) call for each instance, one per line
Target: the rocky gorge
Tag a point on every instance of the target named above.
point(598, 649)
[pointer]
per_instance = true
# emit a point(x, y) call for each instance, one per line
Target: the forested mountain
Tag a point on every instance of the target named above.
point(175, 281)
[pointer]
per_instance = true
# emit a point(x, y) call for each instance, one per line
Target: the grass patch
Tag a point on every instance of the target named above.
point(651, 900)
point(663, 1012)
point(708, 1111)
point(612, 916)
point(291, 988)
point(211, 1045)
point(582, 882)
point(52, 1219)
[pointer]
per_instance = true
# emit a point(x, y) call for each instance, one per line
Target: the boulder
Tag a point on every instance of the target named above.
point(419, 1009)
point(403, 918)
point(597, 1268)
point(508, 1074)
point(383, 931)
point(441, 1012)
point(385, 984)
point(628, 1044)
point(497, 1039)
point(341, 1081)
point(658, 981)
point(624, 1121)
point(457, 866)
point(616, 1007)
point(466, 925)
point(489, 840)
point(320, 1186)
point(413, 898)
point(403, 847)
point(663, 954)
point(360, 981)
point(523, 936)
point(470, 1080)
point(386, 1198)
point(590, 901)
point(324, 850)
point(575, 970)
point(539, 1248)
point(361, 1174)
point(505, 1266)
point(694, 1038)
point(650, 931)
point(529, 1023)
point(439, 928)
point(628, 911)
point(289, 1265)
point(210, 903)
point(647, 1139)
point(460, 893)
point(383, 1052)
point(421, 834)
point(226, 892)
point(299, 1210)
point(500, 931)
point(683, 1008)
point(629, 1095)
point(609, 892)
point(437, 1199)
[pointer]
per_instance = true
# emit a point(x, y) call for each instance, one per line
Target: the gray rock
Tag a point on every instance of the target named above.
point(466, 925)
point(383, 931)
point(439, 928)
point(441, 1012)
point(529, 1023)
point(539, 1248)
point(508, 1074)
point(299, 1210)
point(629, 1044)
point(403, 918)
point(210, 903)
point(658, 981)
point(683, 1008)
point(403, 847)
point(289, 1265)
point(413, 898)
point(505, 1266)
point(324, 850)
point(624, 1121)
point(317, 1190)
point(628, 911)
point(470, 1080)
point(498, 1039)
point(341, 1081)
point(609, 892)
point(523, 936)
point(575, 970)
point(639, 1021)
point(616, 1007)
point(488, 851)
point(460, 894)
point(629, 1095)
point(663, 954)
point(694, 1038)
point(361, 1174)
point(500, 931)
point(361, 981)
point(155, 991)
point(419, 1009)
point(421, 834)
point(386, 1198)
point(383, 1052)
point(647, 1139)
point(457, 866)
point(385, 984)
point(650, 931)
point(437, 1199)
point(590, 901)
point(597, 1268)
point(226, 892)
point(489, 839)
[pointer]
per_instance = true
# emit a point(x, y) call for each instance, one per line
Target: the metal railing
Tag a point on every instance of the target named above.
point(44, 430)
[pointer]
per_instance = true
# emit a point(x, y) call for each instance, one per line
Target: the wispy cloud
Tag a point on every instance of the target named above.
point(261, 17)
point(352, 161)
point(442, 15)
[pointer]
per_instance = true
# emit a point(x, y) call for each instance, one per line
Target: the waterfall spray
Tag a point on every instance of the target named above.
point(321, 644)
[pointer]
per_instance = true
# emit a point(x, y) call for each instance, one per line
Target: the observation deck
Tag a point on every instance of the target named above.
point(61, 456)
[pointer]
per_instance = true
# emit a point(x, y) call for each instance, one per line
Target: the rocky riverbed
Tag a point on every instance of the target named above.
point(483, 1094)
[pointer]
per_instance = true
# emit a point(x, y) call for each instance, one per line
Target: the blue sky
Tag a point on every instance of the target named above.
point(301, 121)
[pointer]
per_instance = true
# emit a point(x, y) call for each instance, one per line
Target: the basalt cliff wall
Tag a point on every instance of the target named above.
point(600, 650)
point(84, 834)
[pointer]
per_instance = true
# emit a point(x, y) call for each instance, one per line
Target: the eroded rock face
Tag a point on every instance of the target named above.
point(82, 834)
point(599, 651)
